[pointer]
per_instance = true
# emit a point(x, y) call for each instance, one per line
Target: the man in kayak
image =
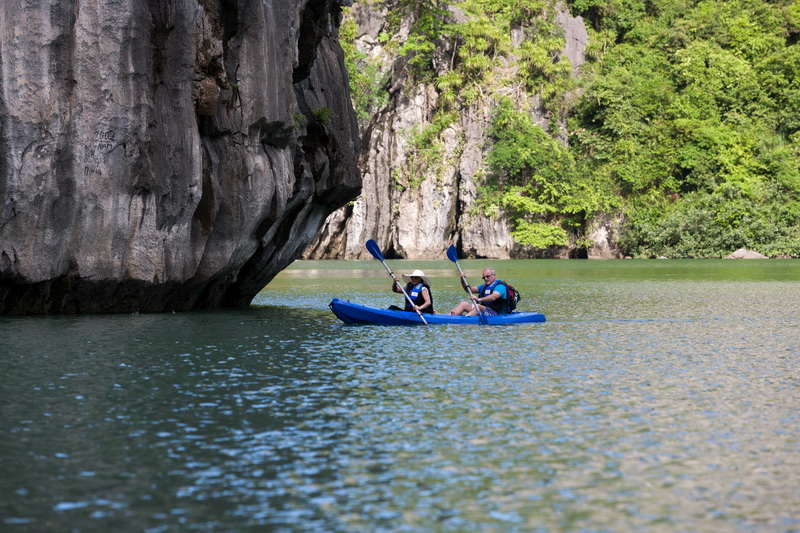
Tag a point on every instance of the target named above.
point(418, 289)
point(491, 296)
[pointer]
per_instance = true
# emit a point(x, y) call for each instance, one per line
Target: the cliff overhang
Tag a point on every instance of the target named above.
point(166, 156)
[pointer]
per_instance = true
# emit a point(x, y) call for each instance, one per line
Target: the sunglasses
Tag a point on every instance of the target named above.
point(489, 276)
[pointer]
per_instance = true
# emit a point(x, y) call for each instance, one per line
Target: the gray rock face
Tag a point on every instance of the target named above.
point(576, 38)
point(420, 220)
point(166, 155)
point(407, 221)
point(743, 253)
point(604, 232)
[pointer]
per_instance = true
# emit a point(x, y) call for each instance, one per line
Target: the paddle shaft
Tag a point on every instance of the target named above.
point(389, 270)
point(374, 249)
point(469, 289)
point(453, 256)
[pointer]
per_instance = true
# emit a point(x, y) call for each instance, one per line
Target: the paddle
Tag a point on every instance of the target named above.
point(452, 255)
point(373, 248)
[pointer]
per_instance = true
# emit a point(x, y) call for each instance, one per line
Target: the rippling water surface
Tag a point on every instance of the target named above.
point(659, 396)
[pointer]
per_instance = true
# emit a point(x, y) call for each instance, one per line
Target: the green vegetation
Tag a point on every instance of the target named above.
point(684, 121)
point(532, 178)
point(693, 114)
point(427, 153)
point(367, 83)
point(323, 115)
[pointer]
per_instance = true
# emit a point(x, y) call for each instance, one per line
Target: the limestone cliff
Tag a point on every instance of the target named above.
point(419, 219)
point(162, 155)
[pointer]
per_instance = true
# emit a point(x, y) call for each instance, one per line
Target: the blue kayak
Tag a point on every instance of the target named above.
point(351, 313)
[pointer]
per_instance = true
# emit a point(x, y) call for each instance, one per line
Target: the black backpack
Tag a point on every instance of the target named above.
point(513, 296)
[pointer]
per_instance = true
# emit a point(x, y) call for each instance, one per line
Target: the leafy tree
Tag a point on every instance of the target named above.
point(685, 120)
point(536, 181)
point(429, 18)
point(693, 113)
point(367, 83)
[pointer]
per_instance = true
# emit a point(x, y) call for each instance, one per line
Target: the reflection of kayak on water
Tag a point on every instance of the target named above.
point(351, 313)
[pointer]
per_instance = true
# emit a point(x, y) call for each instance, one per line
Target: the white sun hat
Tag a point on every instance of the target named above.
point(417, 274)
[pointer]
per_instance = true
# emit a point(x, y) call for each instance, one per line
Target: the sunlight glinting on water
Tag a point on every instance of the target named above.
point(641, 404)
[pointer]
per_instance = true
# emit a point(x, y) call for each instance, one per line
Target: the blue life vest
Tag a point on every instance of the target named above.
point(500, 306)
point(415, 293)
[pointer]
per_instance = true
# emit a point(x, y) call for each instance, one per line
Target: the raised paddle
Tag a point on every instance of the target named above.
point(452, 255)
point(373, 248)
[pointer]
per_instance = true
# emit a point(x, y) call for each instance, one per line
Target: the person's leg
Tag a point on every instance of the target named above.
point(485, 310)
point(461, 308)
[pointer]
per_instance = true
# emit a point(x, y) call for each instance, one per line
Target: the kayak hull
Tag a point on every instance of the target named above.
point(351, 313)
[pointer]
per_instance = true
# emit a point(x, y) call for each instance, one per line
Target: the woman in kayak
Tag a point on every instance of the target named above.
point(418, 289)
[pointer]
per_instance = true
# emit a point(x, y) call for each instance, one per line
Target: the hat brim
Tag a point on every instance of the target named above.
point(425, 279)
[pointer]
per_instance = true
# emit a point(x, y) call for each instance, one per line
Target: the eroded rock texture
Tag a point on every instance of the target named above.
point(166, 154)
point(419, 218)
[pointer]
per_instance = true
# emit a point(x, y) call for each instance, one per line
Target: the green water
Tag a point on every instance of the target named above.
point(659, 396)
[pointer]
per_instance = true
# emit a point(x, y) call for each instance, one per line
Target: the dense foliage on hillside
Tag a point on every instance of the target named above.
point(684, 122)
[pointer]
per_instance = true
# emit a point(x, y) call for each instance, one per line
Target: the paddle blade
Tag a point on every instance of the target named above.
point(452, 255)
point(374, 249)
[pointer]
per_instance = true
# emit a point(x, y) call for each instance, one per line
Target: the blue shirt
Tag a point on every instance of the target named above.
point(500, 287)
